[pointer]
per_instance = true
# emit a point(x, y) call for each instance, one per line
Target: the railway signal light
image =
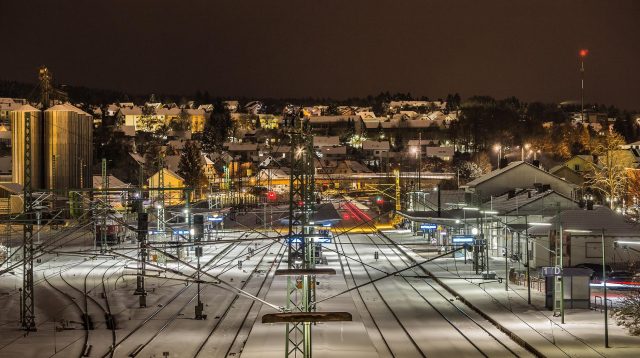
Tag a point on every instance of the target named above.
point(379, 200)
point(271, 196)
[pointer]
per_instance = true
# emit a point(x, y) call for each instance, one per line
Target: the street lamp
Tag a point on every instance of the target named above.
point(522, 149)
point(498, 148)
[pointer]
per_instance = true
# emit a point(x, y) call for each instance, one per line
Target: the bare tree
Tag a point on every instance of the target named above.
point(627, 314)
point(608, 174)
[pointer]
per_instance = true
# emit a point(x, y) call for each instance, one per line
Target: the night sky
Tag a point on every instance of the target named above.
point(330, 48)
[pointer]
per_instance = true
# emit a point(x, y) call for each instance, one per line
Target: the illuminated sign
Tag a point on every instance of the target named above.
point(316, 239)
point(463, 239)
point(425, 227)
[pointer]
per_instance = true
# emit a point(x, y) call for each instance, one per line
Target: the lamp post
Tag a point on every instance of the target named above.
point(526, 239)
point(498, 148)
point(522, 149)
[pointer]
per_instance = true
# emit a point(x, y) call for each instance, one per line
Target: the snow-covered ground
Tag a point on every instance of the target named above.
point(398, 315)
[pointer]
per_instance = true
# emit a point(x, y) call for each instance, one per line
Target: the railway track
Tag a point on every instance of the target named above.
point(274, 264)
point(160, 309)
point(457, 318)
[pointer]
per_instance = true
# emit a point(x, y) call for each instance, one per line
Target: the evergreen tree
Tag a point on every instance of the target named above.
point(217, 128)
point(191, 165)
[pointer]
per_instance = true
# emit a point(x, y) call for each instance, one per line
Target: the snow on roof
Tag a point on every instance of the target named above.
point(26, 108)
point(595, 221)
point(173, 111)
point(240, 147)
point(113, 182)
point(375, 145)
point(509, 167)
point(131, 111)
point(366, 114)
point(172, 162)
point(195, 112)
point(207, 161)
point(422, 142)
point(137, 157)
point(509, 202)
point(342, 150)
point(321, 141)
point(384, 123)
point(67, 107)
point(11, 104)
point(331, 119)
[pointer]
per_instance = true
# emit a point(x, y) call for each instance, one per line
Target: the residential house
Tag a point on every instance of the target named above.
point(339, 152)
point(334, 125)
point(350, 167)
point(583, 232)
point(517, 174)
point(374, 152)
point(116, 200)
point(7, 105)
point(232, 106)
point(242, 151)
point(442, 152)
point(197, 119)
point(171, 180)
point(322, 141)
point(568, 174)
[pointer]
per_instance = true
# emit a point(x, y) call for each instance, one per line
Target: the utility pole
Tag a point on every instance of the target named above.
point(160, 223)
point(198, 221)
point(143, 228)
point(526, 238)
point(105, 206)
point(604, 286)
point(420, 160)
point(558, 292)
point(28, 305)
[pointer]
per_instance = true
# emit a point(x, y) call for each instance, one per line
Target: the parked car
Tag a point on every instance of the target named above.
point(596, 268)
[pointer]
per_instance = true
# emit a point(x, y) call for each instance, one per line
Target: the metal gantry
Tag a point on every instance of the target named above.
point(28, 306)
point(300, 288)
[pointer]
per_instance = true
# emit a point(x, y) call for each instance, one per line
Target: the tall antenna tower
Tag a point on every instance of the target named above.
point(45, 77)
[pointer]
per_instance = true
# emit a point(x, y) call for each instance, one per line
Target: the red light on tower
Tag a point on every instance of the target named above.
point(271, 196)
point(584, 52)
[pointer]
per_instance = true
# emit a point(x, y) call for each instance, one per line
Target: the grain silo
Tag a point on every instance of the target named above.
point(68, 151)
point(17, 117)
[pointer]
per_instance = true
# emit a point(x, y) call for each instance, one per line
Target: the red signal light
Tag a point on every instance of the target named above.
point(346, 216)
point(584, 52)
point(271, 196)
